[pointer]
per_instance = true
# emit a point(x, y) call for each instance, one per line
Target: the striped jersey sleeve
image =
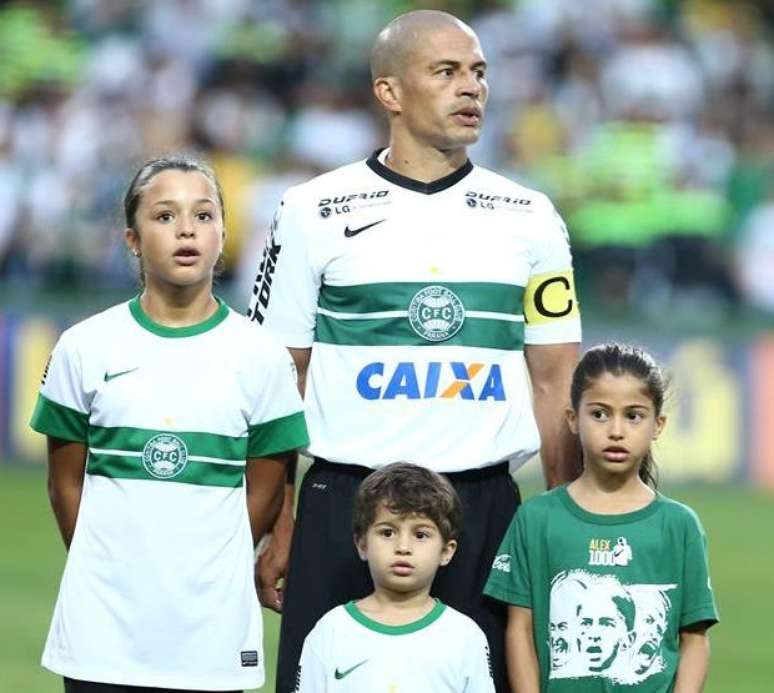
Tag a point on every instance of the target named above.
point(62, 408)
point(284, 297)
point(276, 422)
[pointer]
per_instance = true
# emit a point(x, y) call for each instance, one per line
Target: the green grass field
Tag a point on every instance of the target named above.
point(737, 520)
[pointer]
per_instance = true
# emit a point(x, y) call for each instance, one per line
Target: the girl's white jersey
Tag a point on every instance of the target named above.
point(418, 300)
point(347, 652)
point(158, 587)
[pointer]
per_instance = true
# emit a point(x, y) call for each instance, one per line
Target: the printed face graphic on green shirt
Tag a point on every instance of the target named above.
point(599, 627)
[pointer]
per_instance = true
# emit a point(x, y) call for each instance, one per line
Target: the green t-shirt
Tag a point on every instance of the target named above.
point(609, 593)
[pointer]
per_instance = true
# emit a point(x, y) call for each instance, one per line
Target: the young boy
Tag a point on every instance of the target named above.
point(399, 639)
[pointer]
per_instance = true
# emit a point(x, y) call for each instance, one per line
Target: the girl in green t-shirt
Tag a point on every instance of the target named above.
point(606, 579)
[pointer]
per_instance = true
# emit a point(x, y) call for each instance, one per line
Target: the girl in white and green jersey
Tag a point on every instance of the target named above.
point(169, 420)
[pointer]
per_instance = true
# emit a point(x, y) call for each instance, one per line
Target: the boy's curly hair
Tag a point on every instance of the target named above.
point(405, 489)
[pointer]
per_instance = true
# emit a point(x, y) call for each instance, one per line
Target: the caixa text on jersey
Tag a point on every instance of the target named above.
point(446, 380)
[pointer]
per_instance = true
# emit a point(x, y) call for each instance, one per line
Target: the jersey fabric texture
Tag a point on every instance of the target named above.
point(609, 594)
point(418, 300)
point(158, 586)
point(347, 652)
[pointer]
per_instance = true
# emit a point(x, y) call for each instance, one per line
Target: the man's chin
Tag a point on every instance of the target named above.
point(458, 141)
point(469, 136)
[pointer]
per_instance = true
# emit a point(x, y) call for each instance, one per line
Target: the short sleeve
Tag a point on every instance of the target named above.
point(284, 297)
point(277, 421)
point(509, 576)
point(698, 597)
point(62, 408)
point(310, 676)
point(479, 665)
point(550, 302)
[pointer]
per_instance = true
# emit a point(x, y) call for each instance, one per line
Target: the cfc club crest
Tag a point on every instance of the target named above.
point(436, 313)
point(164, 456)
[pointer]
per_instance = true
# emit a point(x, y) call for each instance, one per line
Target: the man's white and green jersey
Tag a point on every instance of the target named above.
point(158, 587)
point(418, 300)
point(347, 652)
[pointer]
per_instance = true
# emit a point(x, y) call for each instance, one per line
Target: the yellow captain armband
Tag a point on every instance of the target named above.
point(550, 297)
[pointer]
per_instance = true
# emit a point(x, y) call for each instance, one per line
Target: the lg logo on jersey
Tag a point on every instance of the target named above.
point(485, 201)
point(344, 204)
point(468, 382)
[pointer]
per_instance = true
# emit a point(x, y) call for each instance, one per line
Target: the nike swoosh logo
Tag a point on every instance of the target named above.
point(110, 376)
point(341, 674)
point(348, 232)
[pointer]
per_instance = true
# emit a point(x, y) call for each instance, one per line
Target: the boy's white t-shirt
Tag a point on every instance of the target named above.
point(347, 652)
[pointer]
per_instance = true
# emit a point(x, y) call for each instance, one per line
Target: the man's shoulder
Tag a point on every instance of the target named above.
point(330, 185)
point(484, 181)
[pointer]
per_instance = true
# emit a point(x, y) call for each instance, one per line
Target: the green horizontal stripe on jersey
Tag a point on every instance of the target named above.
point(198, 444)
point(374, 298)
point(280, 435)
point(58, 421)
point(475, 332)
point(197, 473)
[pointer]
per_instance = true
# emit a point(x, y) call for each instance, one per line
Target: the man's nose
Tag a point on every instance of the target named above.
point(470, 85)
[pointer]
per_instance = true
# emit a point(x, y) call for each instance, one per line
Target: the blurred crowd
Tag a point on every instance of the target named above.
point(648, 122)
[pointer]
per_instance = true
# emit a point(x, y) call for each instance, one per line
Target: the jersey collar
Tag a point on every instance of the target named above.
point(431, 617)
point(600, 519)
point(142, 319)
point(417, 186)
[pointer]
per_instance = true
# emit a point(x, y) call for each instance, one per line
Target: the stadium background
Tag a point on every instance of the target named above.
point(648, 122)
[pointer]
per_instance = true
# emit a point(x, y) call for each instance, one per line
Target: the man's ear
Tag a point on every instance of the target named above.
point(388, 92)
point(448, 551)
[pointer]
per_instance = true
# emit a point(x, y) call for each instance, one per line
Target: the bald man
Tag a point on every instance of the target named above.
point(412, 289)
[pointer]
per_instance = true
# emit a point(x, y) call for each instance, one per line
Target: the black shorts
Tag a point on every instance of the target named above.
point(78, 686)
point(325, 570)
